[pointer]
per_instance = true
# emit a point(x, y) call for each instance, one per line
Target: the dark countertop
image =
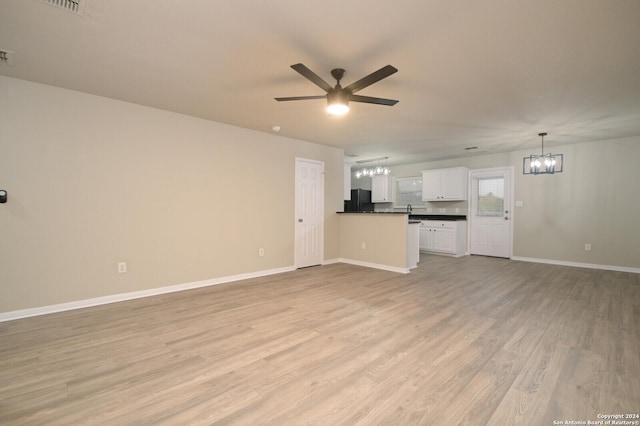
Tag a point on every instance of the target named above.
point(372, 212)
point(417, 217)
point(412, 218)
point(446, 217)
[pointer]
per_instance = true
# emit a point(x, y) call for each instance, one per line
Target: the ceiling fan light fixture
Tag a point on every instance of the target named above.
point(337, 103)
point(338, 109)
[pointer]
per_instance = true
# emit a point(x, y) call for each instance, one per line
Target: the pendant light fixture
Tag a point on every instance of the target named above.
point(543, 163)
point(380, 169)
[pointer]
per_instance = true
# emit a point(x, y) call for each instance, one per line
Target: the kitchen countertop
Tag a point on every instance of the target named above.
point(443, 217)
point(372, 212)
point(416, 217)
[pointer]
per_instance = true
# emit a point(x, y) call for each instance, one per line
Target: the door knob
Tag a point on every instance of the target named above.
point(299, 220)
point(506, 218)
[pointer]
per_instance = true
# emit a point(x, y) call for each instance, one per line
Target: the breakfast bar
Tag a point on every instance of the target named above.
point(383, 240)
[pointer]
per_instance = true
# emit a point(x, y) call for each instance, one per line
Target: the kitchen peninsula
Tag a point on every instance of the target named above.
point(383, 240)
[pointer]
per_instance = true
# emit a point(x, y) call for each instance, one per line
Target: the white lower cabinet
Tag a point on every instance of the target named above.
point(413, 245)
point(443, 237)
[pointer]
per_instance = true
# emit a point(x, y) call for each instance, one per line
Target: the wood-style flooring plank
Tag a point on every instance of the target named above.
point(471, 340)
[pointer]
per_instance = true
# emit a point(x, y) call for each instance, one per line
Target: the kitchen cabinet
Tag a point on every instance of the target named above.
point(445, 184)
point(426, 237)
point(347, 182)
point(381, 189)
point(443, 237)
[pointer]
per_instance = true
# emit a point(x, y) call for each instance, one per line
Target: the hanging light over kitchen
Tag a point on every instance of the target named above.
point(373, 171)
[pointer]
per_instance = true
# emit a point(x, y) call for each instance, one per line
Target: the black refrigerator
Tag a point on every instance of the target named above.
point(360, 201)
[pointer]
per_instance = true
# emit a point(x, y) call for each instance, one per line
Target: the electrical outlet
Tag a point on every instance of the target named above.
point(260, 252)
point(587, 247)
point(363, 245)
point(122, 267)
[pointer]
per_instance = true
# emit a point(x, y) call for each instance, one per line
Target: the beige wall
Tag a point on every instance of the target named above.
point(94, 181)
point(595, 200)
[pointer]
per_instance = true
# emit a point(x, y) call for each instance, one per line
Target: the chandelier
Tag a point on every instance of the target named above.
point(542, 163)
point(373, 171)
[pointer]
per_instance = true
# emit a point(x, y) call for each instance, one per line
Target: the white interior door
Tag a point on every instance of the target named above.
point(309, 233)
point(491, 227)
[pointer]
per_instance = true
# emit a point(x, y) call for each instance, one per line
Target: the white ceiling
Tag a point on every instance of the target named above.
point(490, 73)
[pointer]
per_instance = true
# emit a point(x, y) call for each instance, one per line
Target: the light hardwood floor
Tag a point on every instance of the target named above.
point(472, 340)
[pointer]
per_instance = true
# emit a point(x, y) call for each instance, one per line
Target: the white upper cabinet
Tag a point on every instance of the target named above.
point(431, 185)
point(381, 189)
point(347, 181)
point(445, 184)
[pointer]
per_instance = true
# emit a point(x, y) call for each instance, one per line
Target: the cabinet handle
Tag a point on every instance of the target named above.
point(299, 220)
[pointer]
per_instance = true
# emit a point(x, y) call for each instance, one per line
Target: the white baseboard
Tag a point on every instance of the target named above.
point(374, 265)
point(578, 264)
point(79, 304)
point(32, 312)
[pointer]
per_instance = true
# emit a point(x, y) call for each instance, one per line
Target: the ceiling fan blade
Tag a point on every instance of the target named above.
point(376, 76)
point(311, 76)
point(300, 98)
point(370, 100)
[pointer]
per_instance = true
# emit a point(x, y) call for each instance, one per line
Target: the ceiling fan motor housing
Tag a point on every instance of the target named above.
point(338, 73)
point(338, 95)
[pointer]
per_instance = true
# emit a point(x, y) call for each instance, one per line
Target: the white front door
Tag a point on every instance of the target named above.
point(309, 233)
point(491, 212)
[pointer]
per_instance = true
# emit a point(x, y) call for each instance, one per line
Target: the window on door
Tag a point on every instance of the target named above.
point(490, 202)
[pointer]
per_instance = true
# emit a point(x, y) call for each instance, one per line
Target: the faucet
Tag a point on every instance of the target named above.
point(409, 208)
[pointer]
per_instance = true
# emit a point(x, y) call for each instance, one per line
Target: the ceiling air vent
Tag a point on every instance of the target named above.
point(6, 57)
point(73, 6)
point(475, 150)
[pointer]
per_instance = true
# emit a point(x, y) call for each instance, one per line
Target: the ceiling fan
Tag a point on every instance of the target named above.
point(338, 97)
